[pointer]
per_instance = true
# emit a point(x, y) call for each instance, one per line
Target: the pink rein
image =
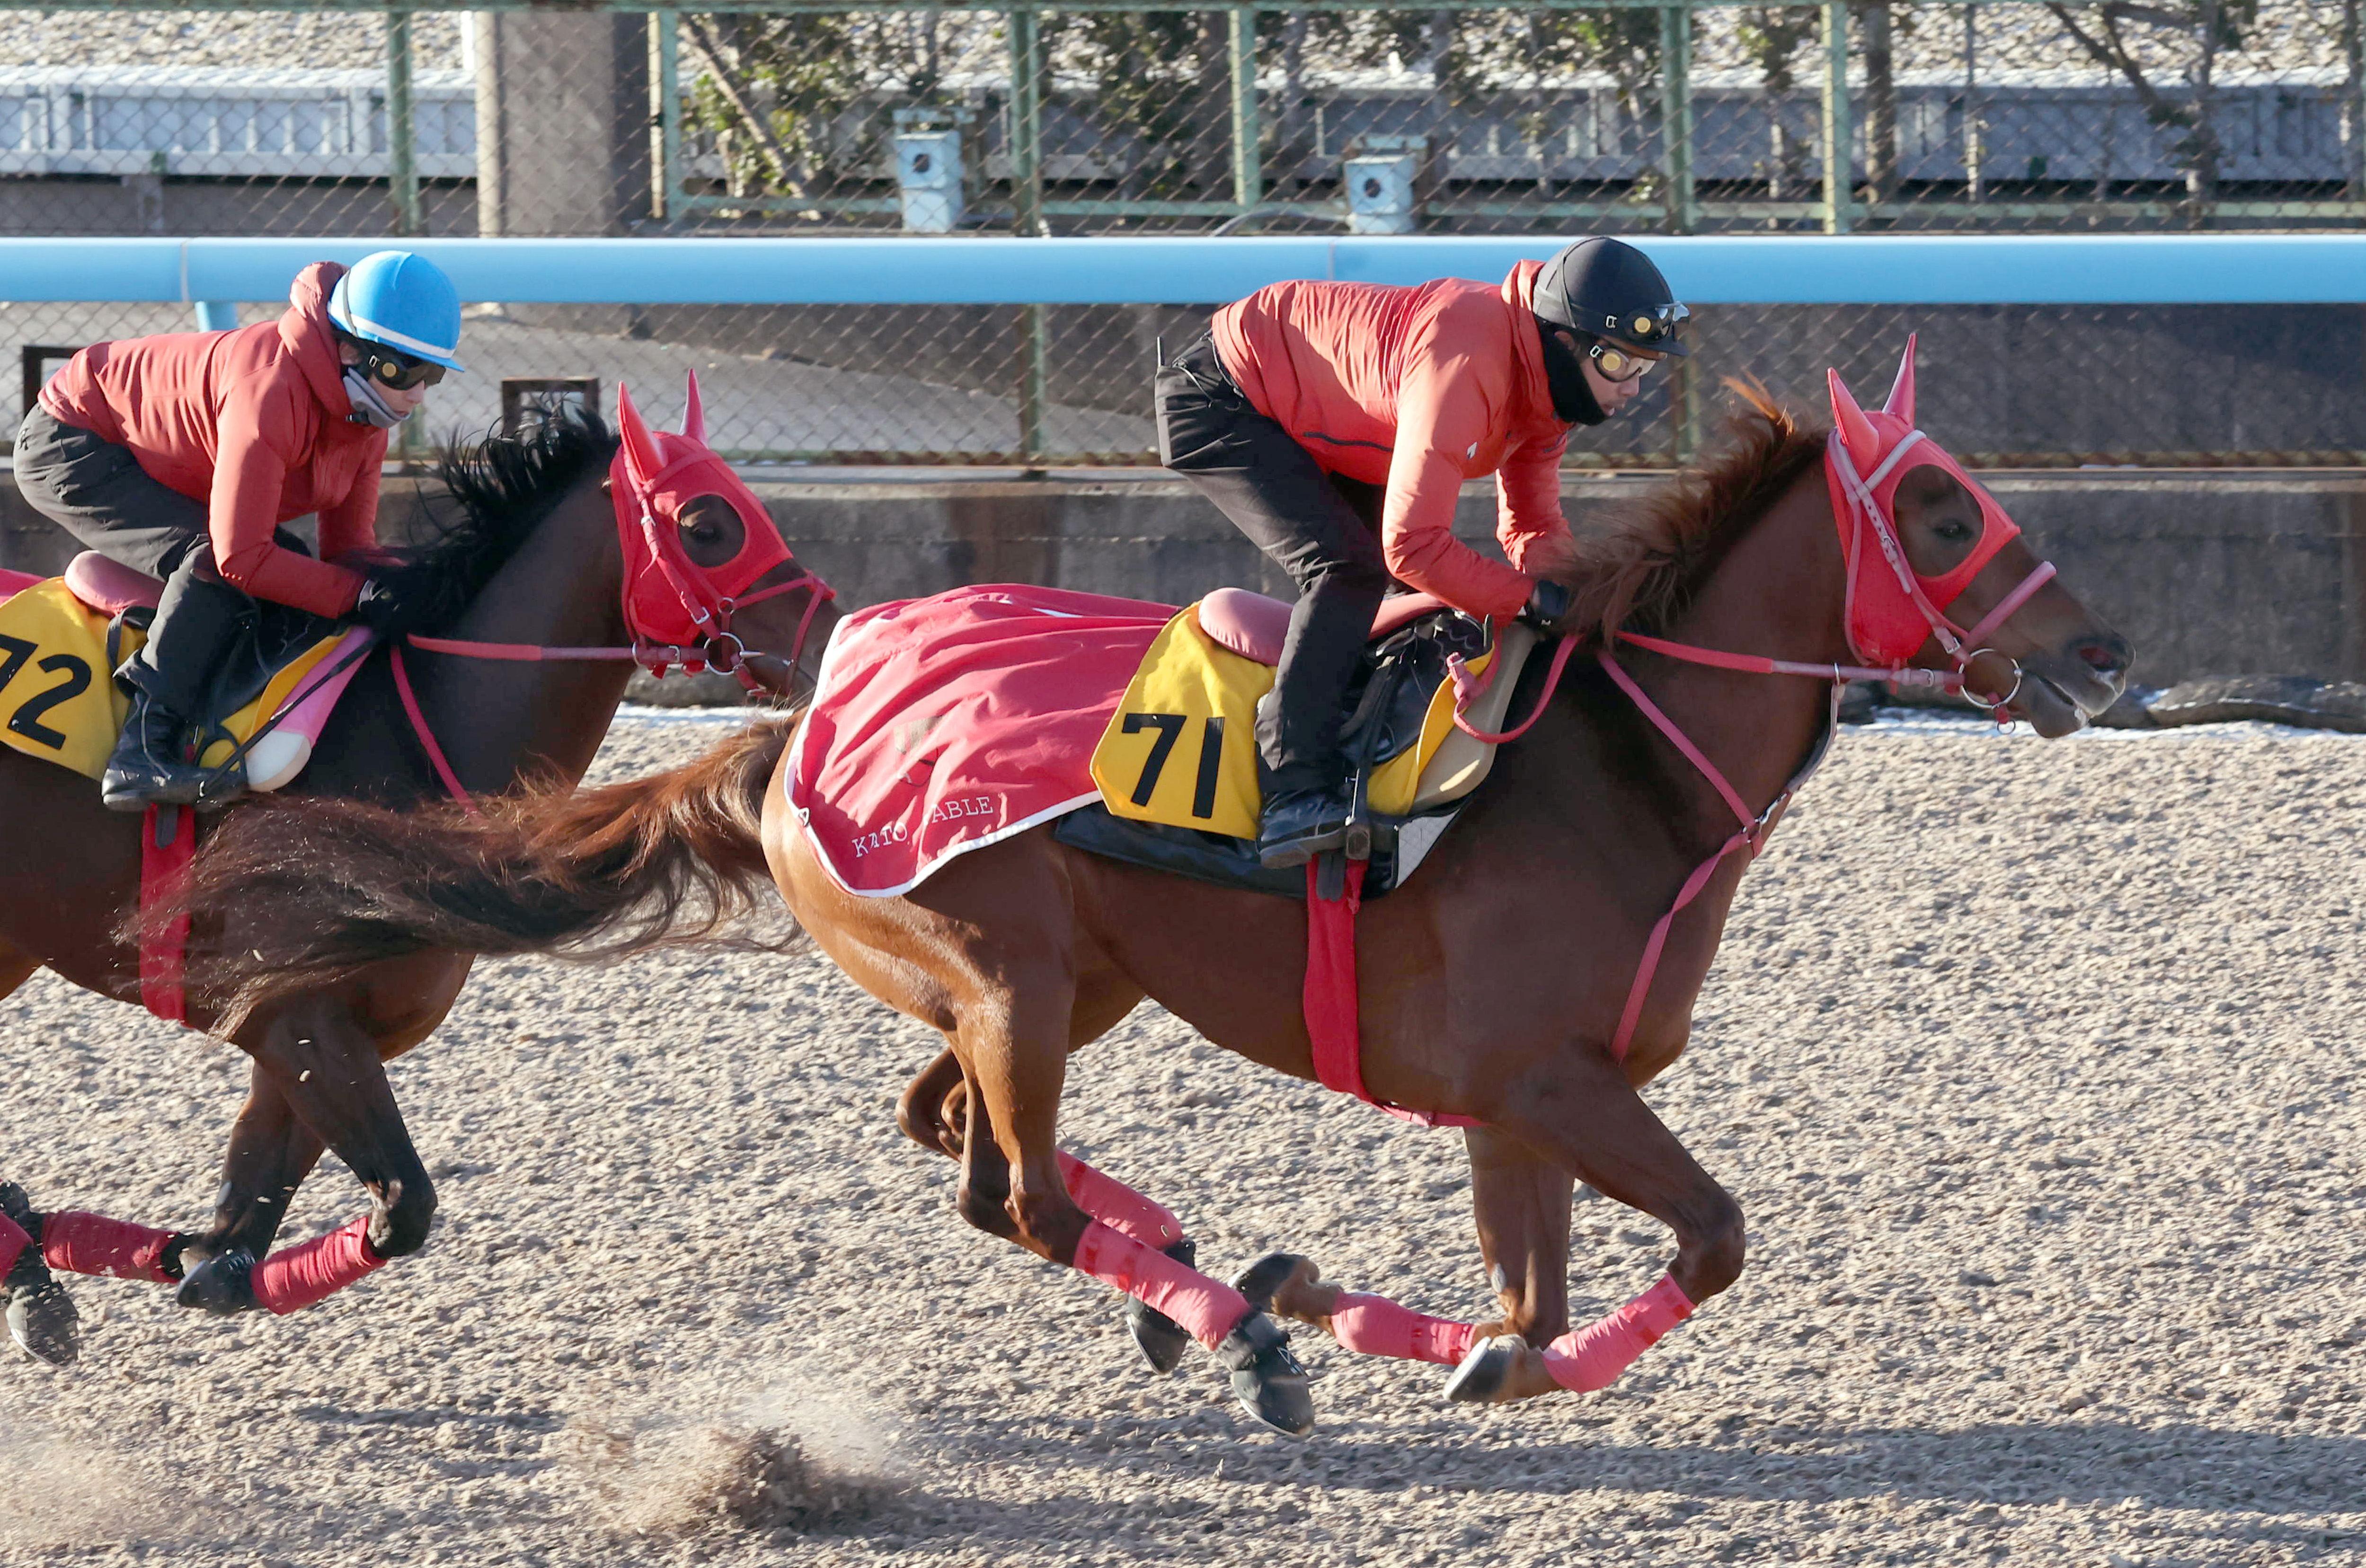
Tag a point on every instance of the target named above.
point(658, 658)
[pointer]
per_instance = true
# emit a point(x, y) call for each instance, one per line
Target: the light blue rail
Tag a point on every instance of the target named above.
point(2149, 269)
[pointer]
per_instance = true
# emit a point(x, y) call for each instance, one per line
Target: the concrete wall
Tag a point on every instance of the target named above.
point(562, 122)
point(2212, 572)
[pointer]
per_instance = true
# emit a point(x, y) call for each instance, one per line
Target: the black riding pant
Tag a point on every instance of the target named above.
point(96, 491)
point(1322, 529)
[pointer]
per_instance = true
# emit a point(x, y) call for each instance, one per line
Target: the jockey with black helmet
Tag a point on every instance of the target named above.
point(1336, 423)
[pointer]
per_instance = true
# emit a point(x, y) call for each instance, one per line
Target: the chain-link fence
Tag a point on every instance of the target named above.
point(1621, 117)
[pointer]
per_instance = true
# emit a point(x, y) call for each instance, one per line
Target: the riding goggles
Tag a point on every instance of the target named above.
point(394, 369)
point(1617, 364)
point(1649, 327)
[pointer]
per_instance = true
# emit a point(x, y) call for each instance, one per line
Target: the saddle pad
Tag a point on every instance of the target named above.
point(944, 724)
point(1180, 749)
point(58, 697)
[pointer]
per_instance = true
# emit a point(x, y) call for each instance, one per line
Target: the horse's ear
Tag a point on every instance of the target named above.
point(1901, 391)
point(640, 448)
point(1857, 431)
point(693, 414)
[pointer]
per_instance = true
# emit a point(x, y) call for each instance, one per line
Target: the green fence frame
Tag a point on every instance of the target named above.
point(1675, 207)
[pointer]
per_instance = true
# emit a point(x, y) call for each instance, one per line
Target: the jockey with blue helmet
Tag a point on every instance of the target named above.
point(183, 454)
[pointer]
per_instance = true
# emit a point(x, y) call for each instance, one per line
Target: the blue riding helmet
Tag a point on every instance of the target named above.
point(402, 301)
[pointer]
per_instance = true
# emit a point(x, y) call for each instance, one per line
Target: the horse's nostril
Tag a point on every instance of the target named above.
point(2105, 656)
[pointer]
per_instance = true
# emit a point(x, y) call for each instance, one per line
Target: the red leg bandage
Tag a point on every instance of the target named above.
point(93, 1244)
point(1119, 1206)
point(1375, 1326)
point(1593, 1357)
point(296, 1277)
point(1208, 1309)
point(13, 1241)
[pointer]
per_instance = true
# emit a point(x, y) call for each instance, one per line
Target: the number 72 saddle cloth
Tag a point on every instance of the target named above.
point(62, 638)
point(940, 725)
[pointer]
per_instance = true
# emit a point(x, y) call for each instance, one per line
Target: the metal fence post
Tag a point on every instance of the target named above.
point(1248, 174)
point(1676, 117)
point(1026, 215)
point(1026, 122)
point(402, 128)
point(1839, 134)
point(665, 116)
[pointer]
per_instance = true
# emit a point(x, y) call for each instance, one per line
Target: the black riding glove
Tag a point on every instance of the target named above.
point(387, 606)
point(1548, 608)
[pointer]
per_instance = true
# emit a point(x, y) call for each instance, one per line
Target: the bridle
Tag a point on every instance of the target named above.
point(1962, 646)
point(647, 539)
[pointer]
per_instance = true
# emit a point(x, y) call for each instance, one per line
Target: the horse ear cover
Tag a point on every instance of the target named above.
point(1857, 431)
point(1901, 391)
point(640, 447)
point(693, 415)
point(1885, 625)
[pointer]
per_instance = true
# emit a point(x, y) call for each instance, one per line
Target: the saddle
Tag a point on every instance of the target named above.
point(1180, 794)
point(62, 638)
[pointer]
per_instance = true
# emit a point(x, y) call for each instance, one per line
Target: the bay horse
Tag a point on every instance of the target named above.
point(1498, 985)
point(545, 576)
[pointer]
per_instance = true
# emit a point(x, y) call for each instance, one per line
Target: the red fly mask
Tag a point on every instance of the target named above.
point(1891, 609)
point(680, 610)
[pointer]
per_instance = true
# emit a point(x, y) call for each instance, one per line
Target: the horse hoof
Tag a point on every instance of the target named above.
point(1267, 1275)
point(1481, 1375)
point(1161, 1339)
point(43, 1322)
point(1267, 1379)
point(223, 1285)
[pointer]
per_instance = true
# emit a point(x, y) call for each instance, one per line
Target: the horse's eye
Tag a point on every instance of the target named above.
point(710, 531)
point(1954, 532)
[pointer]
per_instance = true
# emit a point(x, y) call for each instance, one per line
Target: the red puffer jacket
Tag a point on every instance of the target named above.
point(1418, 389)
point(256, 424)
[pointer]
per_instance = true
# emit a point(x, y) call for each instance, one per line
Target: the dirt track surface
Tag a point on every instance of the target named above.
point(2036, 1068)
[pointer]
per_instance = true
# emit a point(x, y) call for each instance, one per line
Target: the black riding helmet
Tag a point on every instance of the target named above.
point(1608, 289)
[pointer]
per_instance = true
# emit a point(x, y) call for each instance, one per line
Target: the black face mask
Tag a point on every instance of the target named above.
point(1572, 400)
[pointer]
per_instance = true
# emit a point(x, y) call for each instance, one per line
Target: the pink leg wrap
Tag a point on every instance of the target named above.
point(1375, 1326)
point(93, 1244)
point(1117, 1205)
point(1208, 1309)
point(1593, 1357)
point(296, 1277)
point(13, 1240)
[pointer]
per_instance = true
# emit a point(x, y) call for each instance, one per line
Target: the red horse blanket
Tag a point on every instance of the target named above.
point(940, 726)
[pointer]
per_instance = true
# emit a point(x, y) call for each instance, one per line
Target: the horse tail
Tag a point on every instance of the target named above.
point(291, 895)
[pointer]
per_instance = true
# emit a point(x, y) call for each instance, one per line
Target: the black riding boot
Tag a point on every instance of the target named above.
point(198, 621)
point(1298, 723)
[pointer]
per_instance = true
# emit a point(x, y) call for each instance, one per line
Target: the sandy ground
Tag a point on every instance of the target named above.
point(2035, 1066)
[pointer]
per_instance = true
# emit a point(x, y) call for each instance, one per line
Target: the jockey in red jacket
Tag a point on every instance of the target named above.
point(1336, 423)
point(182, 456)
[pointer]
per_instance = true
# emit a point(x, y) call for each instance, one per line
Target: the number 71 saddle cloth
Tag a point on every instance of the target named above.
point(940, 725)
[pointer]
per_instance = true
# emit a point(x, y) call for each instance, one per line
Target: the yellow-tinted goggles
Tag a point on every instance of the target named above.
point(1620, 364)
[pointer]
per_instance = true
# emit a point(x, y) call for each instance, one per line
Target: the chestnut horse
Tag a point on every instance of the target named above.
point(534, 566)
point(1492, 984)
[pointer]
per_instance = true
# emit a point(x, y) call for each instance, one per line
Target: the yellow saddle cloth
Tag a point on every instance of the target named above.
point(1180, 750)
point(58, 697)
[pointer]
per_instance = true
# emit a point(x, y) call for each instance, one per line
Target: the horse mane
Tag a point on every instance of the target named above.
point(497, 489)
point(1640, 572)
